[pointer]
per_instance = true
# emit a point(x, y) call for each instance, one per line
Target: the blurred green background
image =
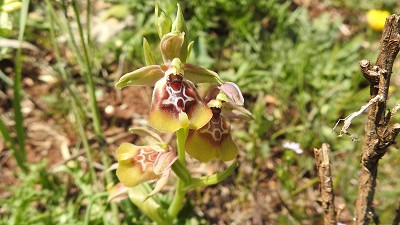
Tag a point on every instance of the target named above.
point(295, 61)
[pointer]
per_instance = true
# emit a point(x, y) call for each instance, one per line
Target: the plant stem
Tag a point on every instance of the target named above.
point(84, 62)
point(93, 102)
point(181, 135)
point(180, 192)
point(89, 208)
point(176, 204)
point(20, 152)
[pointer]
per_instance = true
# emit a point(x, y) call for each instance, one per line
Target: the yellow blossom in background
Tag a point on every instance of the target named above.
point(376, 18)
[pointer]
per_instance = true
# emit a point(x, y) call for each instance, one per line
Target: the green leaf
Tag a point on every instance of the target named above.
point(147, 75)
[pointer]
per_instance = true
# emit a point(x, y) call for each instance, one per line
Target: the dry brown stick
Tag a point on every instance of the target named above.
point(378, 135)
point(325, 184)
point(396, 220)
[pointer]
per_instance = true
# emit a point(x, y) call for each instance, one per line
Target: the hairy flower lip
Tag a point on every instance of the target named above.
point(172, 97)
point(212, 141)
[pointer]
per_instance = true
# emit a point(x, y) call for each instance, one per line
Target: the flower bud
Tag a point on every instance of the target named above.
point(171, 45)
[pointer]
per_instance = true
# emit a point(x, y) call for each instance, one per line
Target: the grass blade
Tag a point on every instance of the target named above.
point(18, 117)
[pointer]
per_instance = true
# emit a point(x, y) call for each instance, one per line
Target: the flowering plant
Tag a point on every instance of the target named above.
point(201, 124)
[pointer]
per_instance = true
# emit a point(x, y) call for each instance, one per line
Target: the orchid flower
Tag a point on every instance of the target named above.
point(214, 141)
point(137, 164)
point(175, 102)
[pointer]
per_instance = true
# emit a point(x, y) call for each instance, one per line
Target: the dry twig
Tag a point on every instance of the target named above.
point(325, 184)
point(378, 135)
point(396, 220)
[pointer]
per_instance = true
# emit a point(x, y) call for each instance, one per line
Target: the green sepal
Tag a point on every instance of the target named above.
point(179, 26)
point(189, 49)
point(213, 179)
point(198, 74)
point(148, 56)
point(147, 75)
point(163, 22)
point(150, 137)
point(179, 23)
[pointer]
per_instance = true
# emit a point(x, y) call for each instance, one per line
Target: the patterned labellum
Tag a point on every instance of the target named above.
point(173, 95)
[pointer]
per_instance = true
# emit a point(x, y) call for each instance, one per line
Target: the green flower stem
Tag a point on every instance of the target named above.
point(176, 204)
point(181, 138)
